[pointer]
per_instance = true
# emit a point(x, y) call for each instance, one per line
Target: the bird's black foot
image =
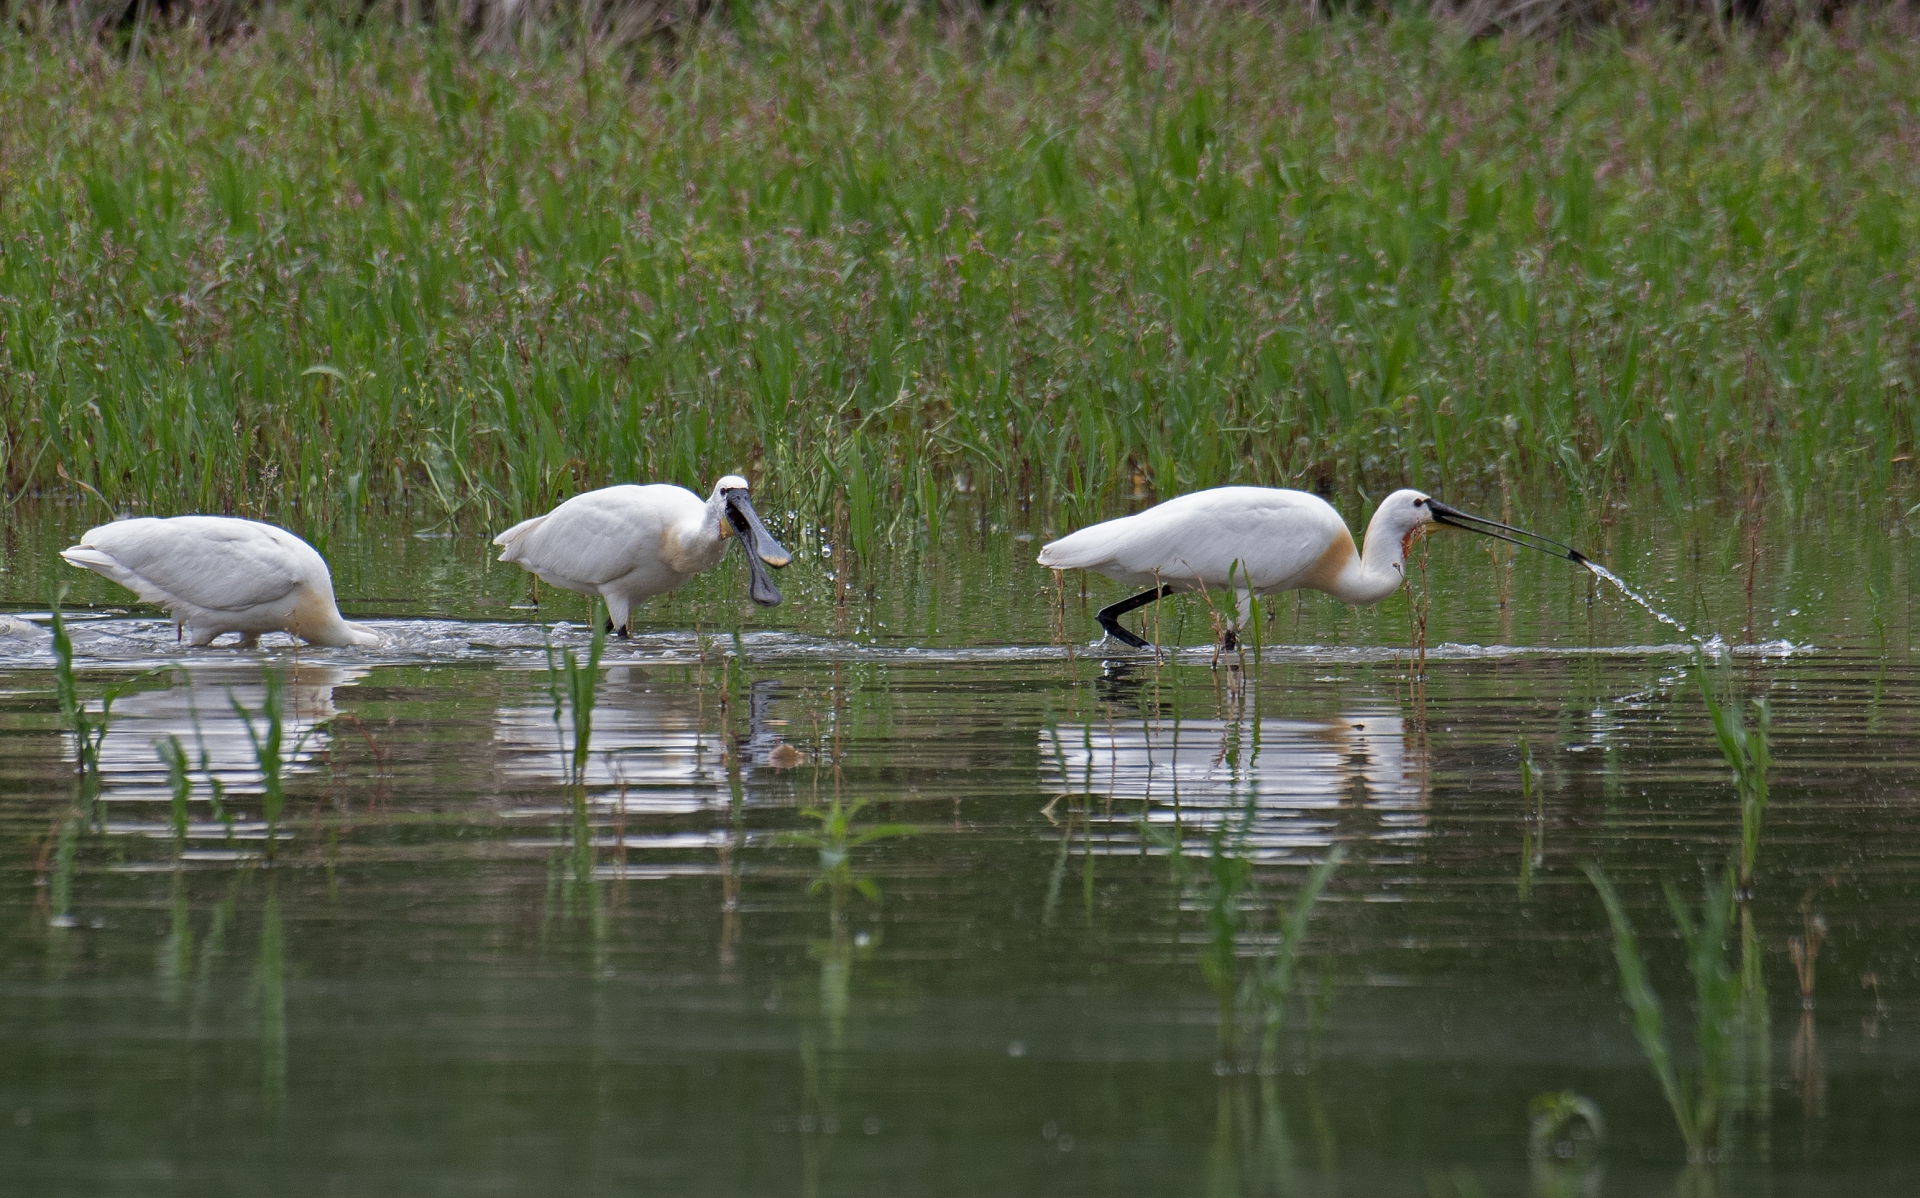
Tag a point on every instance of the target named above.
point(1109, 617)
point(1119, 632)
point(624, 632)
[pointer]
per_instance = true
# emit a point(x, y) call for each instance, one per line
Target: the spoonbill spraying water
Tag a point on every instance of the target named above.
point(217, 574)
point(629, 543)
point(1259, 540)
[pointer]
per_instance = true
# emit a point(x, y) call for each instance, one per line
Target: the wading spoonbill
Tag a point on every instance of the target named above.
point(630, 543)
point(218, 574)
point(1258, 540)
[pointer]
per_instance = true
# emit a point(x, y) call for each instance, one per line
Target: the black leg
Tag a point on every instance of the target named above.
point(1230, 640)
point(1109, 617)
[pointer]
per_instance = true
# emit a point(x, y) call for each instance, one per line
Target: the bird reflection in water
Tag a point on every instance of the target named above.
point(652, 749)
point(1305, 780)
point(655, 750)
point(198, 710)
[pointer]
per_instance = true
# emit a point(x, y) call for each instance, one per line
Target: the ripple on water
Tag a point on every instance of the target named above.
point(118, 641)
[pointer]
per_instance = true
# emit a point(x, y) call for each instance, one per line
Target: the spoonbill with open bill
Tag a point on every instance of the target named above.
point(1259, 540)
point(629, 543)
point(217, 574)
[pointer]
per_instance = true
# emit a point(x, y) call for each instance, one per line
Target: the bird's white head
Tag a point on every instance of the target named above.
point(1405, 514)
point(731, 482)
point(1398, 522)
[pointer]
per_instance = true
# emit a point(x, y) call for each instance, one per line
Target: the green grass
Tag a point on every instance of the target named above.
point(268, 739)
point(1039, 262)
point(1697, 1097)
point(1748, 754)
point(572, 686)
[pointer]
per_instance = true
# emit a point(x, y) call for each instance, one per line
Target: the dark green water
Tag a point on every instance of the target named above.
point(461, 975)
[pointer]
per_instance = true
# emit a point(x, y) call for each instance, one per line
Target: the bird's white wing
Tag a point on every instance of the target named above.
point(211, 562)
point(602, 535)
point(1273, 536)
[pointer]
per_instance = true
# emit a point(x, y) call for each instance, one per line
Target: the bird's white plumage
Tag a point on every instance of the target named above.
point(1262, 535)
point(219, 574)
point(1252, 540)
point(207, 561)
point(624, 532)
point(626, 543)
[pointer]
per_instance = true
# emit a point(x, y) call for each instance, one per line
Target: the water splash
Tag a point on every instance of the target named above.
point(111, 643)
point(1634, 595)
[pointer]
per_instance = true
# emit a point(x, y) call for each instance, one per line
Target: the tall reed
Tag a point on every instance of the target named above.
point(1035, 263)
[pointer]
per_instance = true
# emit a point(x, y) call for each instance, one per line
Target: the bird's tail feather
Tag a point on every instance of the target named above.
point(509, 540)
point(1078, 551)
point(89, 558)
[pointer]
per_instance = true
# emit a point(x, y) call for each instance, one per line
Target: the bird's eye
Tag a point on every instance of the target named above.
point(1419, 503)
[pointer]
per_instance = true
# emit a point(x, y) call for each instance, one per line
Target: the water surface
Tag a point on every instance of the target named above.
point(461, 973)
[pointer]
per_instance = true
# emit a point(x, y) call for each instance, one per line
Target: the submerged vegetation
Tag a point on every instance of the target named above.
point(1051, 262)
point(1730, 1001)
point(1747, 753)
point(571, 685)
point(1699, 1097)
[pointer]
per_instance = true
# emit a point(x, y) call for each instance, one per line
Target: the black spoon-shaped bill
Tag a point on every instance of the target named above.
point(1453, 517)
point(762, 549)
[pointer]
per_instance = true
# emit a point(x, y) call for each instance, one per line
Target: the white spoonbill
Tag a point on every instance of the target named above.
point(1258, 540)
point(629, 543)
point(218, 574)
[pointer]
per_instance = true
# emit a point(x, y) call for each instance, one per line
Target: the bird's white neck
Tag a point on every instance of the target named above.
point(1378, 569)
point(317, 621)
point(698, 542)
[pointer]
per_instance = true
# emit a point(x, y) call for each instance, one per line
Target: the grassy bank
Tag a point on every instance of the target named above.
point(1055, 265)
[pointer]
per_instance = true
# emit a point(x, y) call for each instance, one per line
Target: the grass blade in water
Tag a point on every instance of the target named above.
point(1649, 1020)
point(1276, 980)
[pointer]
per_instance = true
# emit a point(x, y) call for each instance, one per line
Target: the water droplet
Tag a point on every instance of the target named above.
point(1016, 1048)
point(872, 1125)
point(1049, 1130)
